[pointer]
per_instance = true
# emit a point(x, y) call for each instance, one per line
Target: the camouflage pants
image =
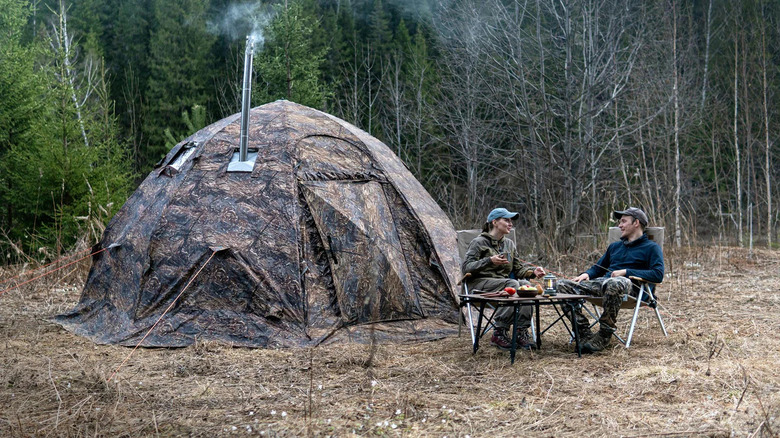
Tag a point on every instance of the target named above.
point(611, 288)
point(502, 318)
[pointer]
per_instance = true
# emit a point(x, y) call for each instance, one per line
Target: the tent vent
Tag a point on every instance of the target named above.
point(181, 157)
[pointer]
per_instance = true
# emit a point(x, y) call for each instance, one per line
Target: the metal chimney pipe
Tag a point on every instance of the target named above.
point(246, 97)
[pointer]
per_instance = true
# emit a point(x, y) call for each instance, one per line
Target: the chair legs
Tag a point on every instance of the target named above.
point(643, 291)
point(633, 317)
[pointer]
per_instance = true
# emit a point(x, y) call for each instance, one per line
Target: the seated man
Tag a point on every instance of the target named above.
point(634, 255)
point(490, 259)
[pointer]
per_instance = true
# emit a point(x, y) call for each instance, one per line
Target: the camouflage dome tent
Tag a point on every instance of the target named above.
point(325, 237)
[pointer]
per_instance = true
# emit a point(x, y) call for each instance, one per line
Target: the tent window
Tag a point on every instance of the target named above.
point(181, 157)
point(243, 166)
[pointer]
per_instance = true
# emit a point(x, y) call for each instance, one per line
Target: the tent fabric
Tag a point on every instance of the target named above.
point(328, 238)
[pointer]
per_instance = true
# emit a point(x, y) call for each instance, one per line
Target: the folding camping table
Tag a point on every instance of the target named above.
point(566, 301)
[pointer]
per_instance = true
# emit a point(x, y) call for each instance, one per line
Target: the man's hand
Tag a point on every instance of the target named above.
point(619, 273)
point(499, 259)
point(582, 277)
point(539, 272)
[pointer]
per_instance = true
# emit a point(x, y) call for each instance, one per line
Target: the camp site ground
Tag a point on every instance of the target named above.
point(714, 376)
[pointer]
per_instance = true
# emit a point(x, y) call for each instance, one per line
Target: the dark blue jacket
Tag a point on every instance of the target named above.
point(641, 258)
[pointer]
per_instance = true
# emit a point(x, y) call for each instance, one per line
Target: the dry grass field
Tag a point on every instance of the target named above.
point(715, 375)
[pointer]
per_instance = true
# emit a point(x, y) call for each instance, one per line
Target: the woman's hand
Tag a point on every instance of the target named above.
point(499, 259)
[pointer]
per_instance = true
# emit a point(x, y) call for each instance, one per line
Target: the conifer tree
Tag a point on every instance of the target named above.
point(21, 88)
point(179, 69)
point(289, 66)
point(61, 185)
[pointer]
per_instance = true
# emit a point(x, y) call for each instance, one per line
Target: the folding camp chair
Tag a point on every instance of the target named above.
point(645, 297)
point(464, 238)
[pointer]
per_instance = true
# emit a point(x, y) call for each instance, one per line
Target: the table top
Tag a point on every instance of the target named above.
point(514, 298)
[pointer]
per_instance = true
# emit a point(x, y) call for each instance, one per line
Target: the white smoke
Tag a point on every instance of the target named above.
point(239, 20)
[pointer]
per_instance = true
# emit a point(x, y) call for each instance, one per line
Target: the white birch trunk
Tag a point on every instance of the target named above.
point(767, 145)
point(736, 143)
point(675, 91)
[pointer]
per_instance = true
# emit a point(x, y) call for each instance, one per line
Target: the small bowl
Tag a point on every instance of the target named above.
point(526, 293)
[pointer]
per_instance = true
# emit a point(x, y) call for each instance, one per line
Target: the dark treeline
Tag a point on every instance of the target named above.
point(561, 109)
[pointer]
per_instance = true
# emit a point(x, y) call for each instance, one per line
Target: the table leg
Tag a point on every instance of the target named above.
point(538, 326)
point(514, 333)
point(575, 329)
point(479, 326)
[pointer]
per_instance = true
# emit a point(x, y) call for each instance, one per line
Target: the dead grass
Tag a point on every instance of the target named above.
point(715, 375)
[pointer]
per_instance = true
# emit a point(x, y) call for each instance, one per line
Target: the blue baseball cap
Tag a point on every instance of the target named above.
point(502, 212)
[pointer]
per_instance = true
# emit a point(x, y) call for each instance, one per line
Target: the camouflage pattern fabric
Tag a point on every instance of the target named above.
point(502, 317)
point(328, 238)
point(611, 289)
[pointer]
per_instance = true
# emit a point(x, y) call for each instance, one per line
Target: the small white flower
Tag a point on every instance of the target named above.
point(386, 423)
point(373, 383)
point(251, 412)
point(423, 420)
point(273, 412)
point(397, 412)
point(443, 407)
point(233, 428)
point(284, 414)
point(443, 420)
point(319, 386)
point(449, 411)
point(379, 424)
point(393, 426)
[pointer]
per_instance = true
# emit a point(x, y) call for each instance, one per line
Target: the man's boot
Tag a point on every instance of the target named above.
point(599, 341)
point(583, 326)
point(585, 332)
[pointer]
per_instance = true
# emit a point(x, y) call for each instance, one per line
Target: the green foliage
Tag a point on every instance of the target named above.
point(179, 69)
point(193, 122)
point(59, 186)
point(289, 66)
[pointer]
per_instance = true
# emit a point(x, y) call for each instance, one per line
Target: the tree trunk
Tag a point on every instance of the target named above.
point(767, 144)
point(676, 96)
point(736, 140)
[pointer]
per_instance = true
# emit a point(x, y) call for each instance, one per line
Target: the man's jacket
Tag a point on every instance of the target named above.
point(477, 260)
point(641, 258)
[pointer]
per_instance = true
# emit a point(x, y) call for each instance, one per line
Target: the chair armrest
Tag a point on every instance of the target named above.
point(641, 280)
point(462, 279)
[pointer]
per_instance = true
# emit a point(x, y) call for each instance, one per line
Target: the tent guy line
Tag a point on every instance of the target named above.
point(170, 306)
point(50, 272)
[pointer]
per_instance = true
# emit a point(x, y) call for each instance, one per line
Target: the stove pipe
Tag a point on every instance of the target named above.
point(246, 97)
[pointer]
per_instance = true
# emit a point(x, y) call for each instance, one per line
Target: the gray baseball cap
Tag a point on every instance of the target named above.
point(633, 212)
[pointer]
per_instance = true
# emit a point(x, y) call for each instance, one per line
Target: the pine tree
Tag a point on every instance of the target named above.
point(21, 89)
point(179, 69)
point(61, 184)
point(290, 66)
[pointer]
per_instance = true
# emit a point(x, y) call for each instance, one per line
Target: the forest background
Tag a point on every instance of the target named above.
point(561, 109)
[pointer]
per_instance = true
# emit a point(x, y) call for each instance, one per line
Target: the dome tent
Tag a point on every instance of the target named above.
point(326, 237)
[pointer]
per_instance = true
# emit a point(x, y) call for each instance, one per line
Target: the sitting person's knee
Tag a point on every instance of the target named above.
point(511, 282)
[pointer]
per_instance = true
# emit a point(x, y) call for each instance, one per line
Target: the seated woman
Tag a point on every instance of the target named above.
point(490, 260)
